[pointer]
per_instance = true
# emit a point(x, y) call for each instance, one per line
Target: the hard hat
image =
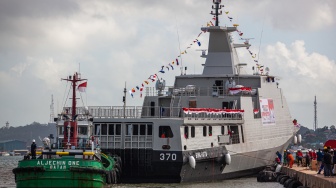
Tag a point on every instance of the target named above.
point(33, 140)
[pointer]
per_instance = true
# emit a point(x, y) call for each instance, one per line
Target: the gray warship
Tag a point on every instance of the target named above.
point(221, 124)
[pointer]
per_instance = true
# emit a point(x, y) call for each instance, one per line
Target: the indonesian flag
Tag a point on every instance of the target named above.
point(82, 87)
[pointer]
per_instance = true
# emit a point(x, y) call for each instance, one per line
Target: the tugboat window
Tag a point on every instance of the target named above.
point(118, 129)
point(166, 132)
point(210, 130)
point(192, 132)
point(111, 129)
point(104, 129)
point(222, 130)
point(204, 131)
point(82, 130)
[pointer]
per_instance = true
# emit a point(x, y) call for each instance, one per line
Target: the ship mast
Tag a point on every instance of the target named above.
point(217, 7)
point(72, 122)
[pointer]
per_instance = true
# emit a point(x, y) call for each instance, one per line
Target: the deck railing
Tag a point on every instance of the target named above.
point(191, 90)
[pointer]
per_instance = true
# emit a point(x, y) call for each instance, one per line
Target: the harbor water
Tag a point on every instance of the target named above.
point(8, 163)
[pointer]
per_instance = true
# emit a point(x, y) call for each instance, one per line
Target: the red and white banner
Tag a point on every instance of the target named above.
point(212, 110)
point(236, 90)
point(82, 87)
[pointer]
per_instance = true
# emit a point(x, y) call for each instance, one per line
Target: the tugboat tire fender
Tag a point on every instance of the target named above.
point(108, 177)
point(118, 174)
point(117, 166)
point(28, 169)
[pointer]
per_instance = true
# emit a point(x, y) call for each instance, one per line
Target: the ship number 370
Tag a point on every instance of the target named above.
point(167, 156)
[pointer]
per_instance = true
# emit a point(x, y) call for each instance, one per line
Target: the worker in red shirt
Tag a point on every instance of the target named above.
point(314, 155)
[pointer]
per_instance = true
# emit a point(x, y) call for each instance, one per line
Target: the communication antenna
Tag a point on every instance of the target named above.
point(315, 114)
point(52, 110)
point(178, 39)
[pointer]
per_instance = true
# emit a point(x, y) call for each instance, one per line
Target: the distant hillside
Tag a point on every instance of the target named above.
point(28, 133)
point(315, 139)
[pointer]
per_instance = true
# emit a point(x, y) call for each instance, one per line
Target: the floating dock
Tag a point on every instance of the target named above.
point(310, 178)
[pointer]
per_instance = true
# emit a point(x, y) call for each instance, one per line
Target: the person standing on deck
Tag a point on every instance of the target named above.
point(327, 163)
point(310, 152)
point(291, 159)
point(285, 158)
point(33, 149)
point(314, 156)
point(319, 160)
point(308, 158)
point(299, 156)
point(334, 162)
point(279, 156)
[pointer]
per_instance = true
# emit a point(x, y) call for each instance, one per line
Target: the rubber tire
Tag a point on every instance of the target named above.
point(295, 184)
point(108, 177)
point(279, 178)
point(283, 179)
point(287, 182)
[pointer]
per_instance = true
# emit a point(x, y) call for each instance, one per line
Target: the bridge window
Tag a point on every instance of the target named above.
point(204, 130)
point(210, 130)
point(129, 129)
point(135, 129)
point(104, 129)
point(222, 130)
point(149, 129)
point(118, 129)
point(142, 129)
point(165, 132)
point(111, 129)
point(97, 129)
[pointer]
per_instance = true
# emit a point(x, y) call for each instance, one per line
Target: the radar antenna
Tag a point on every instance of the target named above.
point(247, 40)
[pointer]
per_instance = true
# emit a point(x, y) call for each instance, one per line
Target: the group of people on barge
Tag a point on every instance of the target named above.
point(325, 160)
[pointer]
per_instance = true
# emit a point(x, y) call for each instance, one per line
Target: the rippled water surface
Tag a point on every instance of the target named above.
point(9, 162)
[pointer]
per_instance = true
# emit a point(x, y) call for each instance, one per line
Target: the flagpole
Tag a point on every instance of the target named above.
point(124, 101)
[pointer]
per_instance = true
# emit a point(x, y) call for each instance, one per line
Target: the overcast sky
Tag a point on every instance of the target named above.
point(113, 41)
